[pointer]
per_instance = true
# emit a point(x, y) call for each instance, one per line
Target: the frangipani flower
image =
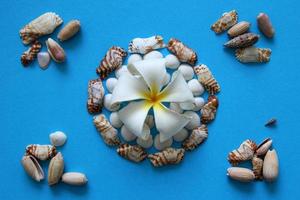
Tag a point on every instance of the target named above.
point(143, 89)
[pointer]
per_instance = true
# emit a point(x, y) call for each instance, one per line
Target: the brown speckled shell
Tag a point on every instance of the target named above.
point(133, 153)
point(209, 110)
point(241, 41)
point(257, 165)
point(182, 52)
point(253, 54)
point(227, 20)
point(41, 152)
point(167, 157)
point(30, 55)
point(95, 96)
point(197, 136)
point(206, 78)
point(243, 153)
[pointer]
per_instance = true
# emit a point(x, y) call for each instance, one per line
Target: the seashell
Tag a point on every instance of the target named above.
point(264, 147)
point(133, 153)
point(112, 60)
point(197, 136)
point(176, 107)
point(32, 168)
point(209, 110)
point(206, 78)
point(166, 79)
point(43, 59)
point(182, 52)
point(257, 165)
point(240, 174)
point(271, 166)
point(186, 71)
point(69, 30)
point(56, 52)
point(127, 135)
point(172, 61)
point(134, 58)
point(41, 152)
point(169, 156)
point(271, 122)
point(227, 20)
point(43, 25)
point(108, 103)
point(115, 120)
point(111, 83)
point(95, 96)
point(181, 135)
point(153, 55)
point(162, 145)
point(108, 133)
point(145, 45)
point(31, 54)
point(150, 121)
point(195, 120)
point(145, 143)
point(253, 54)
point(265, 25)
point(199, 103)
point(241, 41)
point(56, 169)
point(122, 70)
point(74, 178)
point(238, 29)
point(58, 138)
point(195, 87)
point(243, 153)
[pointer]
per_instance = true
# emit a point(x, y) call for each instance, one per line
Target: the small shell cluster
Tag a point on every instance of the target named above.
point(265, 165)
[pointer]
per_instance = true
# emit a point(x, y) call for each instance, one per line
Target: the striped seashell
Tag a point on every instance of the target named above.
point(111, 61)
point(43, 25)
point(169, 156)
point(206, 78)
point(209, 110)
point(95, 96)
point(133, 153)
point(31, 54)
point(257, 166)
point(227, 20)
point(265, 25)
point(243, 153)
point(238, 29)
point(182, 52)
point(145, 45)
point(108, 133)
point(253, 54)
point(197, 136)
point(241, 41)
point(41, 152)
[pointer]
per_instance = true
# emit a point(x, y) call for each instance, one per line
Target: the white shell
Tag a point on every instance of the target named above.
point(187, 71)
point(114, 120)
point(181, 135)
point(127, 135)
point(108, 105)
point(74, 178)
point(150, 121)
point(187, 105)
point(58, 138)
point(121, 71)
point(195, 87)
point(153, 55)
point(172, 61)
point(145, 45)
point(176, 107)
point(166, 79)
point(195, 120)
point(134, 58)
point(43, 59)
point(162, 145)
point(147, 143)
point(111, 83)
point(199, 103)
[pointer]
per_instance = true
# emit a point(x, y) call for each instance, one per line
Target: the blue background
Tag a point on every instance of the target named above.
point(35, 103)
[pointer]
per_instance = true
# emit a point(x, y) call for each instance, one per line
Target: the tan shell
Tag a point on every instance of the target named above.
point(271, 166)
point(209, 110)
point(145, 45)
point(74, 178)
point(69, 30)
point(227, 20)
point(238, 29)
point(56, 169)
point(133, 153)
point(31, 54)
point(56, 52)
point(243, 153)
point(108, 133)
point(253, 54)
point(43, 25)
point(182, 52)
point(32, 168)
point(95, 96)
point(241, 41)
point(167, 157)
point(240, 174)
point(197, 136)
point(41, 152)
point(257, 165)
point(263, 147)
point(265, 25)
point(206, 78)
point(112, 60)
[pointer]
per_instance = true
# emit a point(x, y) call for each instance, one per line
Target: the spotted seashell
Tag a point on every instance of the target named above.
point(41, 152)
point(253, 54)
point(95, 96)
point(197, 136)
point(227, 20)
point(169, 156)
point(241, 41)
point(206, 78)
point(29, 55)
point(43, 25)
point(108, 133)
point(112, 60)
point(182, 52)
point(32, 167)
point(257, 165)
point(238, 29)
point(69, 30)
point(243, 153)
point(145, 45)
point(265, 25)
point(133, 153)
point(209, 110)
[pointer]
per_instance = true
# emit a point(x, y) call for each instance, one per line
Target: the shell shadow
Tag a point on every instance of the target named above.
point(272, 187)
point(243, 187)
point(61, 188)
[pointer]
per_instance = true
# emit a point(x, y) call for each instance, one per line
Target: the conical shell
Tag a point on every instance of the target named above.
point(271, 166)
point(206, 78)
point(56, 52)
point(74, 178)
point(196, 138)
point(133, 153)
point(227, 20)
point(32, 168)
point(169, 156)
point(243, 153)
point(209, 110)
point(145, 45)
point(241, 41)
point(56, 168)
point(241, 174)
point(264, 147)
point(95, 96)
point(31, 54)
point(257, 166)
point(69, 30)
point(238, 29)
point(253, 54)
point(182, 52)
point(41, 152)
point(265, 25)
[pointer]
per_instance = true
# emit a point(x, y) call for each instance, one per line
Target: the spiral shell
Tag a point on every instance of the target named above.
point(145, 45)
point(257, 165)
point(133, 153)
point(31, 54)
point(196, 138)
point(241, 41)
point(243, 153)
point(253, 54)
point(206, 78)
point(41, 152)
point(182, 52)
point(209, 110)
point(227, 20)
point(95, 96)
point(169, 156)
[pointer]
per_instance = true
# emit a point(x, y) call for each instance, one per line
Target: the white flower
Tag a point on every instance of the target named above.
point(144, 83)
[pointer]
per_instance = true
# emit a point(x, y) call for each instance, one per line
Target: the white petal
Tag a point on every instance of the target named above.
point(133, 116)
point(168, 122)
point(153, 55)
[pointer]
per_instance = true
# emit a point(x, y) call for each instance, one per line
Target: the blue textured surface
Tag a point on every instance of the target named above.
point(36, 102)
